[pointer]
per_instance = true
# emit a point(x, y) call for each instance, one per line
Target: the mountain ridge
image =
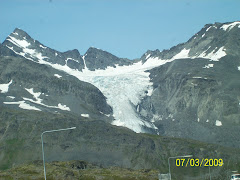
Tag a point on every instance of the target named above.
point(228, 26)
point(209, 39)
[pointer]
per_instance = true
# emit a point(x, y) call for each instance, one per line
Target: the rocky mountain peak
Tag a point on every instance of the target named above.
point(92, 51)
point(73, 53)
point(150, 53)
point(213, 37)
point(99, 59)
point(18, 39)
point(213, 42)
point(23, 45)
point(20, 33)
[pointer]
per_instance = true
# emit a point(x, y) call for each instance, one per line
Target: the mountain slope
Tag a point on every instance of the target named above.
point(197, 95)
point(41, 88)
point(100, 143)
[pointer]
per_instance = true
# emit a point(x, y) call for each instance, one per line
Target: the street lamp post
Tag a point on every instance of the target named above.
point(43, 148)
point(210, 173)
point(173, 158)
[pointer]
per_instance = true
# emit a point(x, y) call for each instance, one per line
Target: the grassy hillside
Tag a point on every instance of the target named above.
point(76, 170)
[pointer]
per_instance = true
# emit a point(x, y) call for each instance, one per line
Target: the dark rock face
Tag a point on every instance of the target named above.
point(192, 96)
point(188, 100)
point(4, 51)
point(99, 59)
point(54, 87)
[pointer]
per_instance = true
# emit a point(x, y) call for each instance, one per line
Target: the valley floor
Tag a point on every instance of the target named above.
point(75, 170)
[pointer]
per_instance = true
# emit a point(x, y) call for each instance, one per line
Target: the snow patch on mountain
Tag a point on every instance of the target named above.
point(15, 33)
point(228, 27)
point(38, 101)
point(18, 42)
point(198, 78)
point(63, 107)
point(208, 66)
point(42, 46)
point(35, 95)
point(108, 115)
point(148, 56)
point(208, 28)
point(218, 123)
point(84, 62)
point(71, 59)
point(214, 55)
point(57, 75)
point(4, 87)
point(85, 115)
point(23, 105)
point(29, 54)
point(182, 55)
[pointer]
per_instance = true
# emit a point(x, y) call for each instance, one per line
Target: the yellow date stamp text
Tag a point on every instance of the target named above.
point(198, 162)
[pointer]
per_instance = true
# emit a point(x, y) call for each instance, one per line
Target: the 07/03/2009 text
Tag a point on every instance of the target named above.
point(198, 163)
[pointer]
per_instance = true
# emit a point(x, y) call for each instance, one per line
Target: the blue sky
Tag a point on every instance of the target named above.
point(125, 28)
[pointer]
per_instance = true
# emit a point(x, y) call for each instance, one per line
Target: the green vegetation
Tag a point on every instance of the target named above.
point(72, 170)
point(12, 147)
